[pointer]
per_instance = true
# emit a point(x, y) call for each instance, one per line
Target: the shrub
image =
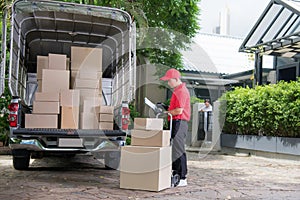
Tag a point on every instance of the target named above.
point(271, 110)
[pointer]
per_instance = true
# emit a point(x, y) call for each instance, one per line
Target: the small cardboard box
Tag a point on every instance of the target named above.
point(155, 138)
point(75, 74)
point(41, 121)
point(47, 96)
point(69, 117)
point(87, 83)
point(107, 109)
point(57, 61)
point(106, 125)
point(103, 117)
point(148, 123)
point(55, 80)
point(88, 121)
point(145, 168)
point(70, 98)
point(42, 63)
point(45, 107)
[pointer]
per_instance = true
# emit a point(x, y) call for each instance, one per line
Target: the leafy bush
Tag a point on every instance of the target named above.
point(271, 110)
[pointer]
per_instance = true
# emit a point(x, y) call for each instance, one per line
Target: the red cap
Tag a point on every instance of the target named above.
point(171, 73)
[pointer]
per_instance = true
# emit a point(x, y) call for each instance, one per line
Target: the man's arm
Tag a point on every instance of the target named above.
point(176, 111)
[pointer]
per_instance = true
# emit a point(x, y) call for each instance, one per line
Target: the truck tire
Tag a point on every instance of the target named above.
point(112, 160)
point(21, 159)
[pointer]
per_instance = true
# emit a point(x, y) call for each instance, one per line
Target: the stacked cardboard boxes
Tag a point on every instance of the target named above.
point(106, 117)
point(86, 75)
point(146, 164)
point(69, 97)
point(51, 69)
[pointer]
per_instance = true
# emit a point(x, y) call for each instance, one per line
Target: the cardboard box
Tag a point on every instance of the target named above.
point(70, 98)
point(106, 125)
point(91, 105)
point(85, 58)
point(153, 138)
point(45, 107)
point(40, 121)
point(87, 83)
point(47, 96)
point(69, 117)
point(42, 63)
point(55, 80)
point(148, 123)
point(145, 168)
point(88, 121)
point(57, 61)
point(103, 117)
point(89, 94)
point(39, 88)
point(76, 74)
point(107, 109)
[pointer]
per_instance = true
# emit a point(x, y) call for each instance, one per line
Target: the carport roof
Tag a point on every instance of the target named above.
point(277, 31)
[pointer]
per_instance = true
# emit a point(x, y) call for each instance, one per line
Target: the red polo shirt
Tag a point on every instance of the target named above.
point(181, 99)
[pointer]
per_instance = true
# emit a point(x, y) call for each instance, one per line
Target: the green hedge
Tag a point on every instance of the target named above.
point(271, 110)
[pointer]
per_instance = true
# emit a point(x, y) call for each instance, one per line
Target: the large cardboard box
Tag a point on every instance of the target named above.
point(148, 123)
point(86, 94)
point(88, 121)
point(42, 63)
point(45, 107)
point(85, 58)
point(106, 125)
point(70, 98)
point(91, 105)
point(155, 138)
point(41, 121)
point(145, 168)
point(55, 80)
point(57, 61)
point(69, 117)
point(47, 96)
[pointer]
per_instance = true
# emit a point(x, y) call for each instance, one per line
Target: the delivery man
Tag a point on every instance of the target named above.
point(180, 110)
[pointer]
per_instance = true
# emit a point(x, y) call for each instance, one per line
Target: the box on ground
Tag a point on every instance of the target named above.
point(145, 168)
point(69, 117)
point(155, 138)
point(55, 80)
point(148, 123)
point(45, 107)
point(47, 96)
point(41, 121)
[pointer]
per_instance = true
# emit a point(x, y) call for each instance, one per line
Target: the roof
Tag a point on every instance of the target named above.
point(277, 31)
point(214, 53)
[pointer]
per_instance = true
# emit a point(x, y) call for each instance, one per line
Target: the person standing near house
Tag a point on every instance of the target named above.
point(207, 107)
point(180, 110)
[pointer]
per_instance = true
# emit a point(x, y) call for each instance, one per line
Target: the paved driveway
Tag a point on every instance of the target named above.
point(210, 177)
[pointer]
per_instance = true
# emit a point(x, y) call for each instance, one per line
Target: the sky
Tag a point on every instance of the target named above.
point(243, 14)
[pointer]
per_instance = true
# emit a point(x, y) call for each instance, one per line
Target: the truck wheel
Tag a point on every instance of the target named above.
point(112, 160)
point(21, 159)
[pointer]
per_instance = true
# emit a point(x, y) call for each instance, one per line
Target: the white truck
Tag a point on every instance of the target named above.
point(40, 27)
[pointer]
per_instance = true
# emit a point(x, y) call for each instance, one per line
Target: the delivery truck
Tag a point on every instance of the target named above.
point(71, 75)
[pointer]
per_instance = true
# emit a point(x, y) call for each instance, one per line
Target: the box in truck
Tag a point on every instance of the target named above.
point(62, 42)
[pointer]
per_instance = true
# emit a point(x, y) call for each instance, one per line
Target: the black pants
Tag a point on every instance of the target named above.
point(179, 162)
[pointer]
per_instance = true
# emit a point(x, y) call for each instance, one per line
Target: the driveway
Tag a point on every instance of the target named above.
point(212, 176)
